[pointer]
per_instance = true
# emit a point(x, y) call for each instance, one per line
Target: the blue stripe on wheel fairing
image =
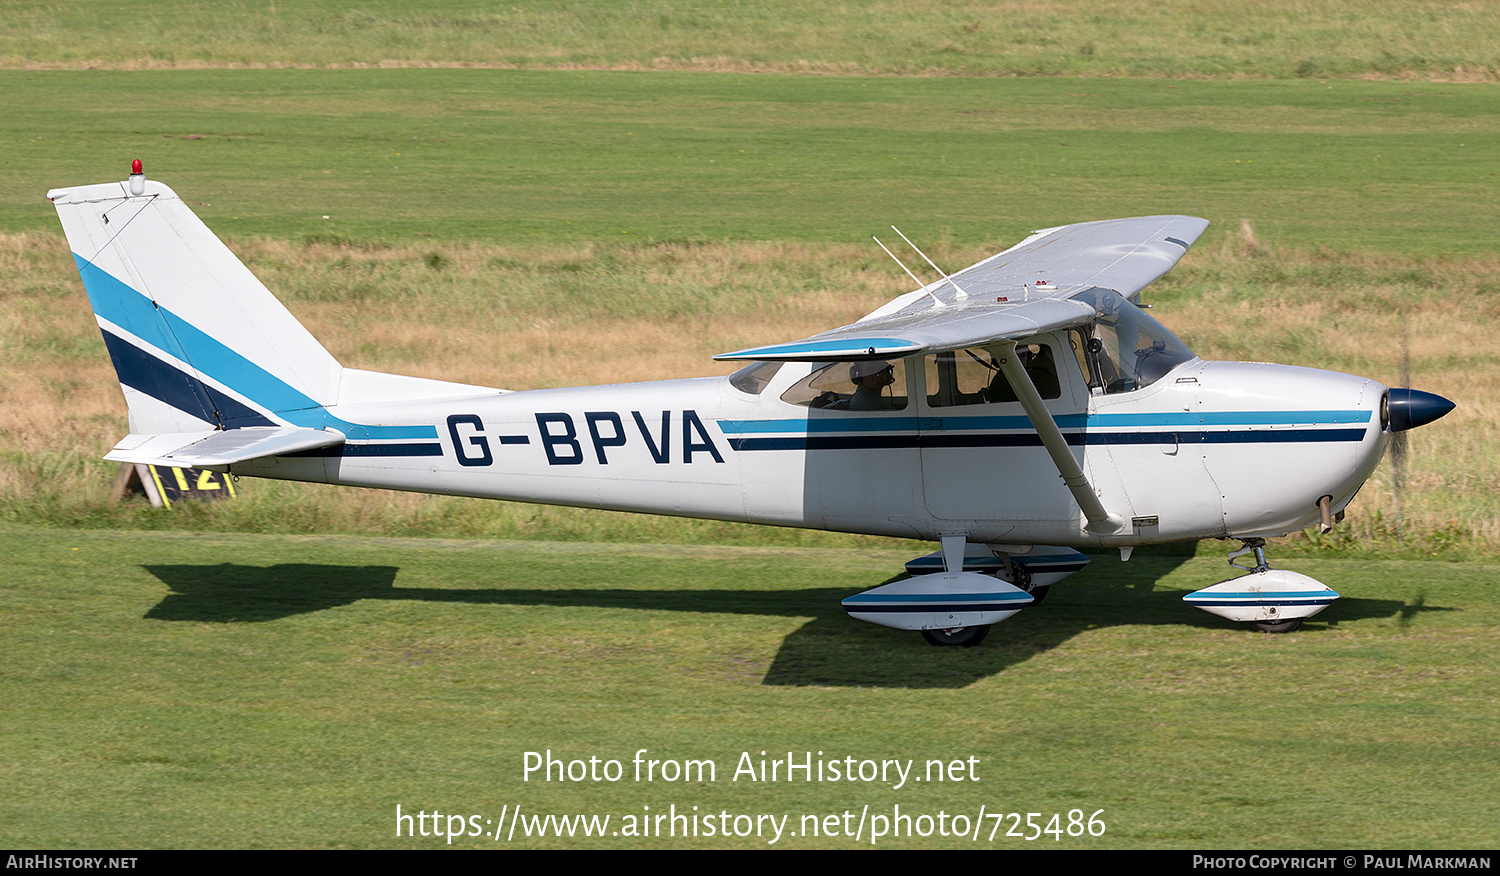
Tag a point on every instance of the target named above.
point(1260, 602)
point(935, 607)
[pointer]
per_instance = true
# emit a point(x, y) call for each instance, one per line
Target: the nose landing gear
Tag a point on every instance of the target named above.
point(1269, 600)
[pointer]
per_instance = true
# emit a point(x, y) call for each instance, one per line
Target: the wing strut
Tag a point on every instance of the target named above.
point(1100, 521)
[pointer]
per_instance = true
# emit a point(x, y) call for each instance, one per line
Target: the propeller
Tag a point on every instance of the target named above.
point(1398, 436)
point(1406, 409)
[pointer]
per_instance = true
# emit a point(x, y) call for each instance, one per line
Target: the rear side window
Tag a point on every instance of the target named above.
point(973, 377)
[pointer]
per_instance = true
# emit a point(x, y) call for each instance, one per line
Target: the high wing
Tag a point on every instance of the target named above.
point(1023, 291)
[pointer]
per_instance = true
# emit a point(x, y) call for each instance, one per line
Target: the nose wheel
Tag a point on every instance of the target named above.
point(963, 637)
point(1283, 626)
point(1256, 547)
point(1267, 600)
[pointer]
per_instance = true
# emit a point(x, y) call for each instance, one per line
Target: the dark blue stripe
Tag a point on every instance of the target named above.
point(1031, 439)
point(1260, 602)
point(825, 442)
point(167, 383)
point(1280, 436)
point(392, 449)
point(935, 606)
point(368, 450)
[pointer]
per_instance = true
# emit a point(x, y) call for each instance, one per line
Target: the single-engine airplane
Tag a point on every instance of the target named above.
point(1013, 412)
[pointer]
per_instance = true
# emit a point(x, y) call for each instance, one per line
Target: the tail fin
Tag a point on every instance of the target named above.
point(197, 341)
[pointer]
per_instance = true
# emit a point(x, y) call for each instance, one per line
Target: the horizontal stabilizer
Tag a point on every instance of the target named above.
point(219, 450)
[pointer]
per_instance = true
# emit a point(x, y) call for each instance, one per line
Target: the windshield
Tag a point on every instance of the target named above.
point(1125, 349)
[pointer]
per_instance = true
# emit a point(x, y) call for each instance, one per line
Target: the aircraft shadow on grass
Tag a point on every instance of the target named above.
point(830, 649)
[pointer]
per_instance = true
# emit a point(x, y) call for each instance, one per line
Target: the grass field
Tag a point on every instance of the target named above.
point(521, 156)
point(186, 689)
point(1401, 39)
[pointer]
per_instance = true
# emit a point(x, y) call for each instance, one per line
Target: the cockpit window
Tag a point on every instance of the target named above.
point(1125, 349)
point(754, 377)
point(867, 385)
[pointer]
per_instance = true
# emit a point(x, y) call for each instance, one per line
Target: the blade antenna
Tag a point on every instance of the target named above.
point(961, 292)
point(920, 284)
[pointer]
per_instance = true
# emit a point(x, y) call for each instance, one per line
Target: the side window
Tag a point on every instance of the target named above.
point(973, 377)
point(753, 378)
point(868, 385)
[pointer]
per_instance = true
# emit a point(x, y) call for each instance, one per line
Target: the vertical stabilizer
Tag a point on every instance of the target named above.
point(197, 341)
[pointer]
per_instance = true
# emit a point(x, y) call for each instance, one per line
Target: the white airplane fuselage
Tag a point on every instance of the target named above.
point(1213, 449)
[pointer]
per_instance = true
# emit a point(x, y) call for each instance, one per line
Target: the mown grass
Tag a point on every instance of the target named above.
point(233, 691)
point(1401, 39)
point(524, 317)
point(520, 156)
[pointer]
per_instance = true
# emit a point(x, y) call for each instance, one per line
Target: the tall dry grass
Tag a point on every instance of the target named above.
point(524, 317)
point(1428, 324)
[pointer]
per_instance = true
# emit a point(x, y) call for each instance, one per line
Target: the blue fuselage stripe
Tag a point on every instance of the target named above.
point(939, 422)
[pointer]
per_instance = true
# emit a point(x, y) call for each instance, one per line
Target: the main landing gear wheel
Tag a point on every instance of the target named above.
point(1281, 626)
point(1020, 576)
point(965, 637)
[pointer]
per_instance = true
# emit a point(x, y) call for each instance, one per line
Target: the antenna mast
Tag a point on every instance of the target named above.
point(961, 292)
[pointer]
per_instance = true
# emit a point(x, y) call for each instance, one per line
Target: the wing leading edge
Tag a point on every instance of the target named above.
point(1023, 291)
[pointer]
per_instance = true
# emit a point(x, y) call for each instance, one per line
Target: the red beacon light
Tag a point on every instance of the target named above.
point(137, 178)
